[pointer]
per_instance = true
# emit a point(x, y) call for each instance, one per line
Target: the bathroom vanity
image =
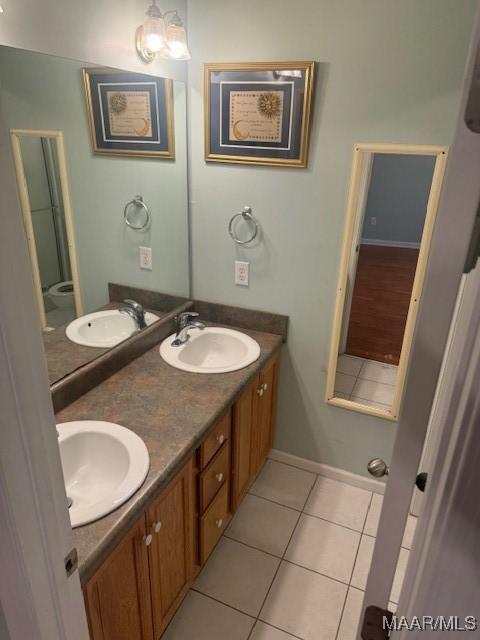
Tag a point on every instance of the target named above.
point(207, 436)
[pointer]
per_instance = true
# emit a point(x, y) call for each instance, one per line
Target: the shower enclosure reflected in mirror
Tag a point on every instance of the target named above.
point(391, 211)
point(73, 198)
point(40, 165)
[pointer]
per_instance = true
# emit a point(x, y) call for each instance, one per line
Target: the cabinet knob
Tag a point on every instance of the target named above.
point(219, 523)
point(221, 438)
point(260, 392)
point(219, 477)
point(148, 539)
point(264, 386)
point(156, 526)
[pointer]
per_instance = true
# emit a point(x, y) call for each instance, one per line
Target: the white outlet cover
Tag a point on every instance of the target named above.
point(242, 273)
point(145, 254)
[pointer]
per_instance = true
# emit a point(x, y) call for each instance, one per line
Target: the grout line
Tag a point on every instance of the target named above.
point(249, 615)
point(282, 559)
point(353, 568)
point(275, 501)
point(294, 466)
point(269, 624)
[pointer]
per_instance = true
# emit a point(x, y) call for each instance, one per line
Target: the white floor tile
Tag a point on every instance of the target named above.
point(284, 484)
point(399, 575)
point(373, 517)
point(238, 576)
point(201, 618)
point(370, 403)
point(375, 391)
point(264, 631)
point(324, 547)
point(379, 372)
point(349, 364)
point(339, 502)
point(304, 603)
point(344, 383)
point(263, 524)
point(351, 615)
point(362, 564)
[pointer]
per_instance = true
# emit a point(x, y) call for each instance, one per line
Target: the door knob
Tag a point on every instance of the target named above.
point(378, 468)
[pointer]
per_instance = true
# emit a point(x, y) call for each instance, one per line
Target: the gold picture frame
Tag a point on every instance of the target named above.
point(155, 96)
point(257, 90)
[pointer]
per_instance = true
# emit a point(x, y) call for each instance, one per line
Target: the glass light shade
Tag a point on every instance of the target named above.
point(154, 39)
point(177, 43)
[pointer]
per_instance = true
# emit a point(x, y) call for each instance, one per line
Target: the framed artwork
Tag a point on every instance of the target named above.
point(130, 114)
point(258, 113)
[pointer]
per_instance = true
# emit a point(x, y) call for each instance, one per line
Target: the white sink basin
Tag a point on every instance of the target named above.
point(103, 465)
point(213, 350)
point(104, 328)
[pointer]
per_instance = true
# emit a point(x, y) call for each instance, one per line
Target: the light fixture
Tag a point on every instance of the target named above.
point(161, 34)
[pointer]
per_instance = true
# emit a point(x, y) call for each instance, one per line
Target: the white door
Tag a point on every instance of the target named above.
point(38, 600)
point(452, 238)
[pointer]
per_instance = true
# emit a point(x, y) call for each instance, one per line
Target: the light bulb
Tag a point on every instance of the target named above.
point(177, 42)
point(154, 30)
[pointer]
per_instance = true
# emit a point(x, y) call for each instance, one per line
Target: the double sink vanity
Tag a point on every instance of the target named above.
point(159, 453)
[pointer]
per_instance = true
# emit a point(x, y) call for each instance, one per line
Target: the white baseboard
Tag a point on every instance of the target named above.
point(390, 243)
point(370, 484)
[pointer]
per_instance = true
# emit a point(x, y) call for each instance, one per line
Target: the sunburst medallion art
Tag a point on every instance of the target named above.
point(269, 105)
point(118, 103)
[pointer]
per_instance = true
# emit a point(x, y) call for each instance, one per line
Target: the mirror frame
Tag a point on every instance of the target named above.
point(57, 136)
point(359, 182)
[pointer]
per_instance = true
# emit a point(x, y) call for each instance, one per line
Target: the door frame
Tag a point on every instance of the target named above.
point(450, 244)
point(57, 137)
point(37, 599)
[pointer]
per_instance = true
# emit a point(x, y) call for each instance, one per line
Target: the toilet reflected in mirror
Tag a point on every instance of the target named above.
point(391, 212)
point(44, 194)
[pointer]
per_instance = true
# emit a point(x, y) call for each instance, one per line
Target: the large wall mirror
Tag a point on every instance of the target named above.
point(73, 192)
point(392, 204)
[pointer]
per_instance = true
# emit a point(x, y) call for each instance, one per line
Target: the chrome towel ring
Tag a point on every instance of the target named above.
point(246, 214)
point(137, 202)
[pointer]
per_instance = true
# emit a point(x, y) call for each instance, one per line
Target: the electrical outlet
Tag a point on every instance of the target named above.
point(145, 258)
point(241, 273)
point(373, 221)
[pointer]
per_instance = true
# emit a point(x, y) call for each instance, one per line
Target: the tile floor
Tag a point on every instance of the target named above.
point(293, 563)
point(366, 381)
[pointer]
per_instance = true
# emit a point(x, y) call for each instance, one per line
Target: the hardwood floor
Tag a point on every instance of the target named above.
point(381, 296)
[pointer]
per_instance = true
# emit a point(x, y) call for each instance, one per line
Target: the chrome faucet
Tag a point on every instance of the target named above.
point(136, 312)
point(184, 325)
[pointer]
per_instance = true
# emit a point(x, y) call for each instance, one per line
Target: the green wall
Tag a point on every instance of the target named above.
point(45, 92)
point(389, 71)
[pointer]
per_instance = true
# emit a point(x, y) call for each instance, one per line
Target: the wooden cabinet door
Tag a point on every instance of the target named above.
point(242, 444)
point(118, 596)
point(263, 416)
point(170, 520)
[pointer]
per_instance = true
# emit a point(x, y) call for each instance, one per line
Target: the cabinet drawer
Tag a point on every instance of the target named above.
point(214, 441)
point(215, 475)
point(213, 522)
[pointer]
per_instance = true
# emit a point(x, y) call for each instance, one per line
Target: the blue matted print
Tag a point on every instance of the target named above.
point(258, 113)
point(130, 113)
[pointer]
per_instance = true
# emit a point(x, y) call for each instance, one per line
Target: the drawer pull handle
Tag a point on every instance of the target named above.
point(219, 523)
point(148, 540)
point(219, 477)
point(221, 438)
point(156, 526)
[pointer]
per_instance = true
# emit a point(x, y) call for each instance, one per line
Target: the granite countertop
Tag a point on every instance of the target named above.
point(172, 411)
point(64, 356)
